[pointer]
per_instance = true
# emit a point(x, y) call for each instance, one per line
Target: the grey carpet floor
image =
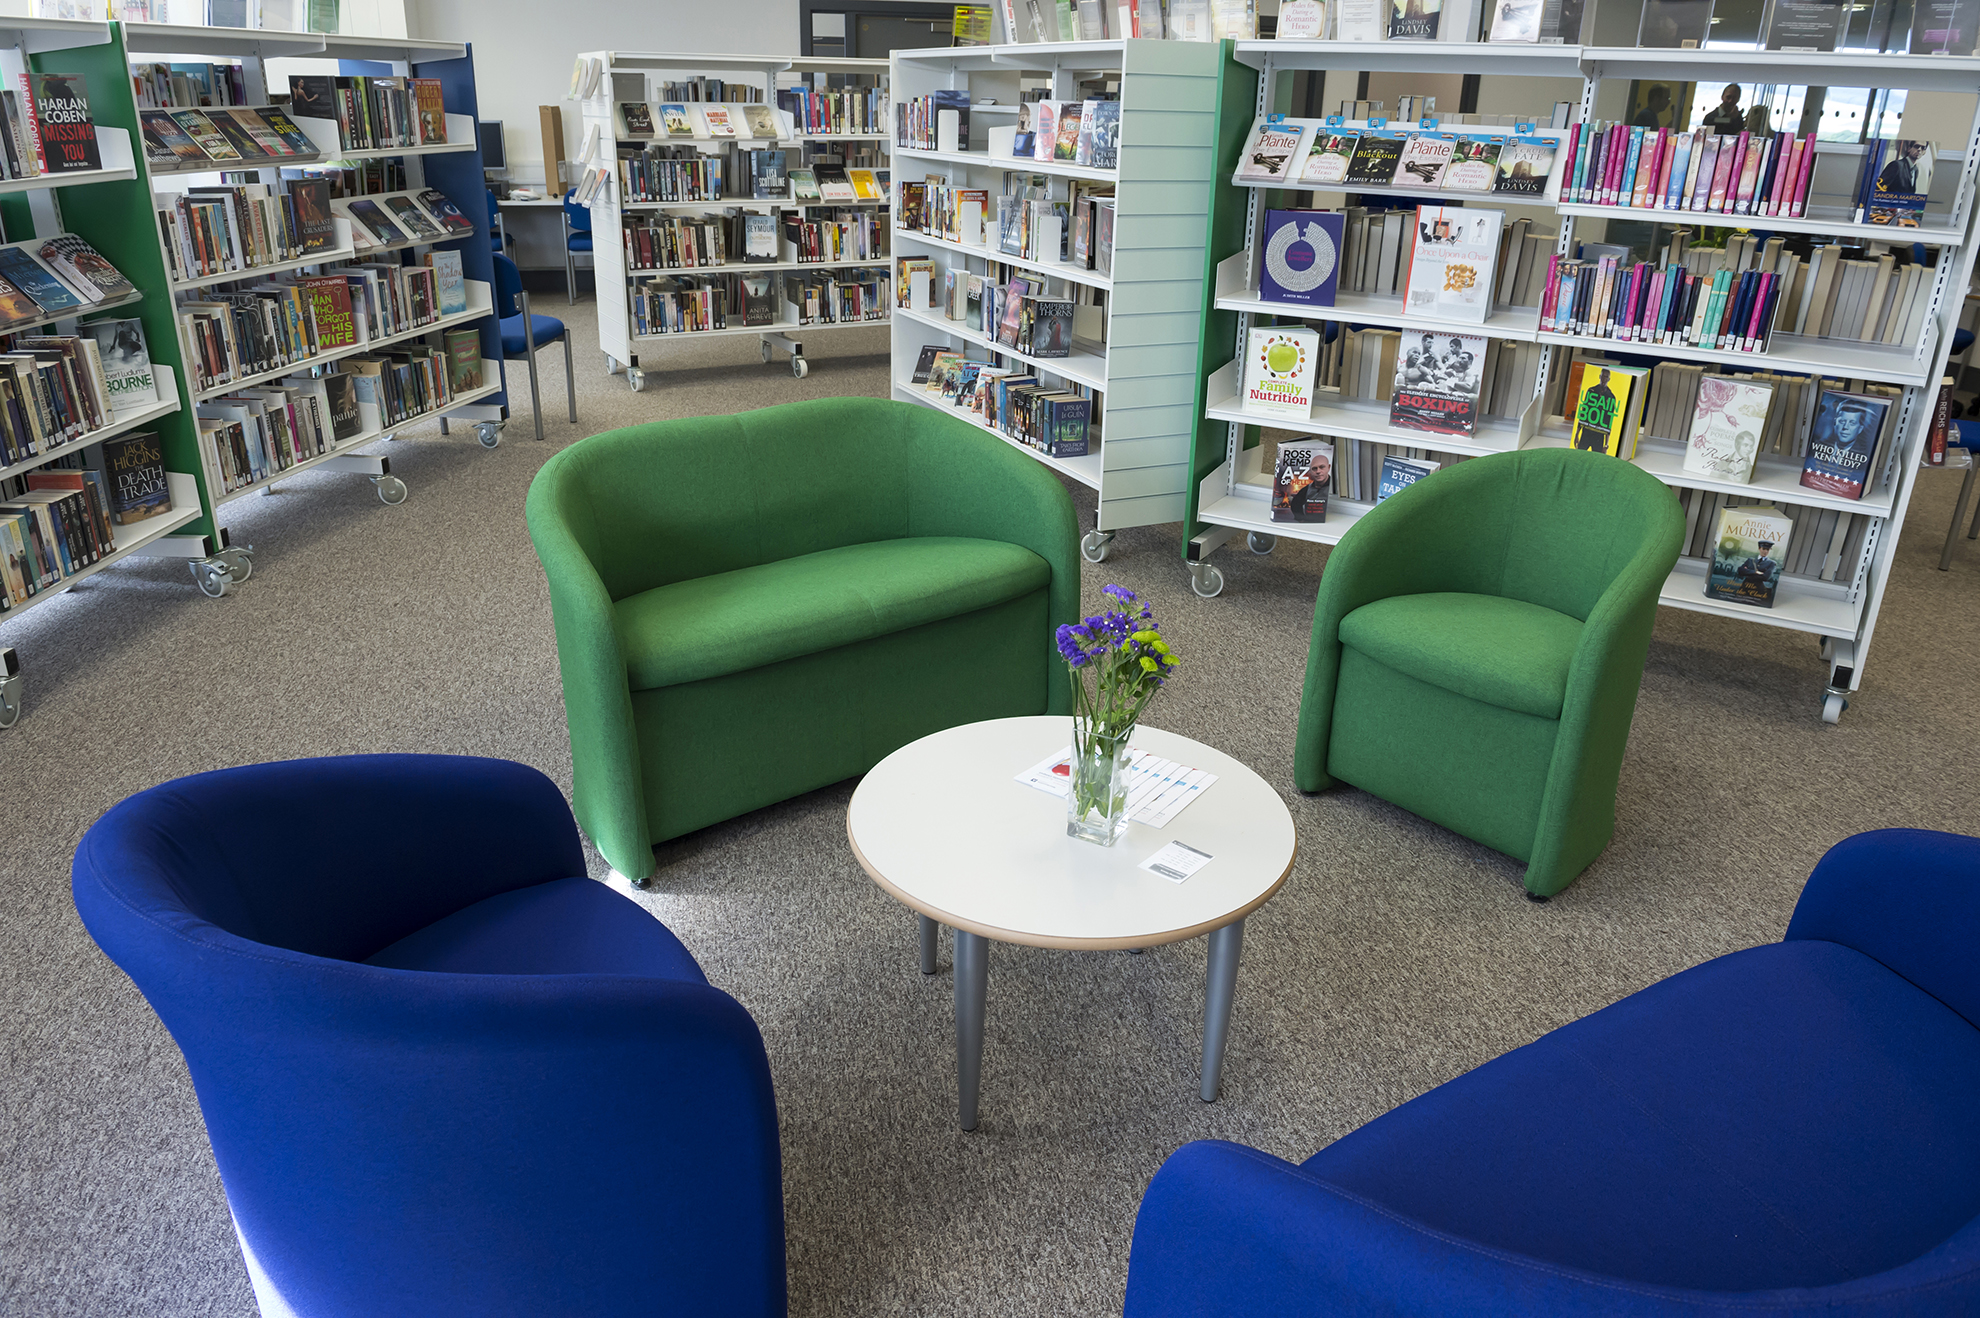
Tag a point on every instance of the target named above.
point(1397, 956)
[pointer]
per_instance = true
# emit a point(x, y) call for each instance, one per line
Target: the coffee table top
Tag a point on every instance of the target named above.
point(945, 827)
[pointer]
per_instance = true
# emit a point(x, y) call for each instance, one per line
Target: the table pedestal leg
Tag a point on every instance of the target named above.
point(929, 931)
point(1225, 944)
point(972, 979)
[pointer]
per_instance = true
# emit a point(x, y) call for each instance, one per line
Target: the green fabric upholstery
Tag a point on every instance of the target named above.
point(754, 606)
point(1478, 643)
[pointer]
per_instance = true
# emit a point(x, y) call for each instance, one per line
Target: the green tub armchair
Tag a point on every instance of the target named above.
point(1478, 642)
point(754, 606)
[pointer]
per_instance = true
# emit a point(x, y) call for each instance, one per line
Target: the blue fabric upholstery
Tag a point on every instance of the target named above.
point(579, 242)
point(1964, 434)
point(579, 217)
point(1790, 1129)
point(544, 1109)
point(546, 330)
point(1962, 340)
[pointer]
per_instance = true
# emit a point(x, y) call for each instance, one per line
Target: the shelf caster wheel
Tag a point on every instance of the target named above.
point(1833, 705)
point(11, 692)
point(636, 378)
point(391, 490)
point(1206, 580)
point(1094, 546)
point(799, 368)
point(238, 560)
point(763, 346)
point(613, 366)
point(489, 433)
point(1261, 543)
point(212, 577)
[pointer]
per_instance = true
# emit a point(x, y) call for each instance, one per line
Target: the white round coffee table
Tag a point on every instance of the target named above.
point(945, 827)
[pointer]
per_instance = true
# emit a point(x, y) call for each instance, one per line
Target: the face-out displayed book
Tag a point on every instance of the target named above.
point(1944, 27)
point(1300, 258)
point(1516, 20)
point(636, 120)
point(1414, 20)
point(1806, 25)
point(1680, 24)
point(1474, 164)
point(1844, 441)
point(1605, 413)
point(1726, 428)
point(1272, 152)
point(1278, 370)
point(1376, 156)
point(1524, 166)
point(1328, 160)
point(1452, 257)
point(1361, 20)
point(127, 375)
point(1747, 554)
point(1896, 181)
point(1424, 158)
point(68, 134)
point(1399, 473)
point(1300, 477)
point(135, 464)
point(1436, 383)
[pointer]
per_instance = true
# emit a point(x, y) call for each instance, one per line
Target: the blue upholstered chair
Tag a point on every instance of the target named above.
point(524, 334)
point(1790, 1129)
point(577, 239)
point(443, 1072)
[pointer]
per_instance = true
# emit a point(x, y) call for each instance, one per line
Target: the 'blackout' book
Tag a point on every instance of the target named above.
point(1300, 479)
point(1301, 261)
point(1437, 382)
point(1375, 158)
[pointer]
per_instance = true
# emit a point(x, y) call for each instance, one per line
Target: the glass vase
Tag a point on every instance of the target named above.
point(1096, 796)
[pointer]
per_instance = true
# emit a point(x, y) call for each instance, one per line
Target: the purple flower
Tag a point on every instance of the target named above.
point(1069, 638)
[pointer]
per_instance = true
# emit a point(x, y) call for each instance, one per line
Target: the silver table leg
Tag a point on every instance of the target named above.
point(930, 931)
point(1225, 944)
point(972, 978)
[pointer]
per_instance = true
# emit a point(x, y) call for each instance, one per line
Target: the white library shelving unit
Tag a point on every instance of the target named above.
point(1144, 378)
point(1840, 613)
point(632, 75)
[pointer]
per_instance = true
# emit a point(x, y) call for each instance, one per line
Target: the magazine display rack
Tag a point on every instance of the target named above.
point(1840, 613)
point(625, 348)
point(1144, 379)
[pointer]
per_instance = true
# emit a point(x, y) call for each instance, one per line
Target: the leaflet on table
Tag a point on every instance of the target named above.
point(1176, 861)
point(1158, 789)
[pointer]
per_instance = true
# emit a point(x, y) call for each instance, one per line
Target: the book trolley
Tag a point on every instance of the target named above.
point(1144, 381)
point(628, 71)
point(113, 210)
point(1841, 611)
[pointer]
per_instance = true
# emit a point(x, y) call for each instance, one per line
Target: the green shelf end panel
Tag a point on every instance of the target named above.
point(116, 218)
point(1237, 107)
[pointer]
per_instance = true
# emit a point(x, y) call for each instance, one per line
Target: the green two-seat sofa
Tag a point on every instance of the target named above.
point(751, 607)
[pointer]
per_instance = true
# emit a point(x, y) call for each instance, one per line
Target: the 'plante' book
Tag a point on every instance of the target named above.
point(1271, 153)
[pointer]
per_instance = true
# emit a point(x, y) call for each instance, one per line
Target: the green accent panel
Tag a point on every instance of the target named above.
point(17, 215)
point(1586, 536)
point(1504, 652)
point(644, 508)
point(1237, 102)
point(117, 220)
point(734, 621)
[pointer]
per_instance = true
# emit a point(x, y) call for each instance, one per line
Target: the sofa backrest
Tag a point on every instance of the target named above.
point(673, 500)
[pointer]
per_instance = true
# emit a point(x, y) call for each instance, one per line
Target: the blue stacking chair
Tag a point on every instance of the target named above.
point(443, 1071)
point(577, 238)
point(497, 231)
point(524, 334)
point(1966, 435)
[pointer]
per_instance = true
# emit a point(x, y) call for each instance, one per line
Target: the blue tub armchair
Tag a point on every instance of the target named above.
point(1791, 1129)
point(443, 1072)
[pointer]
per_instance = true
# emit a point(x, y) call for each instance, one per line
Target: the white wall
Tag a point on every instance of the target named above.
point(523, 49)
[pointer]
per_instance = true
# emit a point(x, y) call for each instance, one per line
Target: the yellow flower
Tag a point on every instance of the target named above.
point(1149, 665)
point(1158, 646)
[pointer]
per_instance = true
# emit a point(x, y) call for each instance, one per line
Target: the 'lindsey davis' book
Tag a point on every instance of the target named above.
point(1270, 155)
point(1436, 383)
point(1726, 428)
point(1278, 370)
point(1524, 165)
point(1747, 555)
point(1843, 442)
point(1299, 481)
point(1301, 261)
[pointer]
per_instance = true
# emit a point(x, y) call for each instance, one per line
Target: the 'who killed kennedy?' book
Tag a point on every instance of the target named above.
point(1843, 441)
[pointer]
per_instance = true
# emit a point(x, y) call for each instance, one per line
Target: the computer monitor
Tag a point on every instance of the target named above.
point(490, 133)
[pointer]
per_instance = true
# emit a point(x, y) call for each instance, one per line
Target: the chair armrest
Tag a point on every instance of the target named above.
point(1908, 898)
point(608, 790)
point(608, 1143)
point(963, 482)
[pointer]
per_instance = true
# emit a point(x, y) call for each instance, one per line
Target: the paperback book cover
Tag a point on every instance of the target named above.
point(15, 306)
point(204, 135)
point(84, 268)
point(1400, 473)
point(1300, 263)
point(412, 219)
point(1898, 196)
point(1602, 410)
point(126, 364)
point(450, 282)
point(19, 268)
point(165, 143)
point(135, 464)
point(346, 419)
point(1452, 256)
point(1328, 161)
point(636, 120)
point(1517, 20)
point(1843, 442)
point(1474, 164)
point(1425, 156)
point(1726, 428)
point(431, 113)
point(1375, 158)
point(463, 345)
point(1944, 27)
point(1300, 479)
point(1747, 554)
point(68, 134)
point(1436, 383)
point(440, 208)
point(1105, 118)
point(1269, 155)
point(1278, 370)
point(372, 216)
point(1414, 20)
point(1806, 25)
point(761, 121)
point(1524, 167)
point(285, 128)
point(674, 118)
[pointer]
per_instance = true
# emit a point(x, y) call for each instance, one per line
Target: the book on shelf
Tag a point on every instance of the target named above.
point(430, 115)
point(1301, 20)
point(50, 295)
point(1453, 254)
point(1941, 428)
point(68, 134)
point(1272, 152)
point(1524, 166)
point(1327, 162)
point(135, 464)
point(1299, 261)
point(215, 147)
point(83, 268)
point(412, 218)
point(188, 85)
point(1437, 382)
point(1376, 155)
point(1681, 24)
point(760, 122)
point(1606, 415)
point(1414, 20)
point(1400, 472)
point(676, 121)
point(1747, 552)
point(1845, 440)
point(450, 282)
point(1278, 370)
point(1424, 158)
point(1301, 475)
point(1065, 144)
point(1474, 164)
point(129, 382)
point(1897, 182)
point(1726, 428)
point(1806, 25)
point(1362, 20)
point(1516, 20)
point(369, 219)
point(636, 120)
point(1100, 130)
point(1944, 27)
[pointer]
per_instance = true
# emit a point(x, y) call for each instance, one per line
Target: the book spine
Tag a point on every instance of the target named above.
point(1802, 178)
point(1935, 439)
point(1578, 163)
point(1549, 291)
point(1680, 170)
point(1626, 184)
point(1707, 164)
point(1763, 288)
